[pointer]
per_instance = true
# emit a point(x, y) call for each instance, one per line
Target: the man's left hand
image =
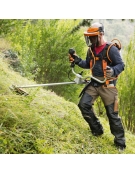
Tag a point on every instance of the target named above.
point(109, 72)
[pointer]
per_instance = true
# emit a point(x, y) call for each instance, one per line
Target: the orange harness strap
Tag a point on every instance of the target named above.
point(104, 65)
point(92, 61)
point(104, 62)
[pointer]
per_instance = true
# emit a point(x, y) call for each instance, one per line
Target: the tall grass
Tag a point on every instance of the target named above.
point(126, 85)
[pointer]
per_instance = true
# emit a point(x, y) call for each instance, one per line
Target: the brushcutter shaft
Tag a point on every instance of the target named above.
point(78, 80)
point(42, 85)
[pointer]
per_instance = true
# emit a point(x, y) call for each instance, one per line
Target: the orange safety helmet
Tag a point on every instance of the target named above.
point(92, 31)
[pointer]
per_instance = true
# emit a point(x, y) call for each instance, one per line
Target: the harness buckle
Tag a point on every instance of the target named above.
point(109, 84)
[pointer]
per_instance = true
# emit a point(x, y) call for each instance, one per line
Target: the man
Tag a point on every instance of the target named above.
point(102, 68)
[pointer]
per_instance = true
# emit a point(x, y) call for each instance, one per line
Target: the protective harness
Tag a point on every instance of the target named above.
point(105, 60)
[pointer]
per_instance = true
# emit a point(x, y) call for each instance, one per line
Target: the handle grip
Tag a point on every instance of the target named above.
point(71, 52)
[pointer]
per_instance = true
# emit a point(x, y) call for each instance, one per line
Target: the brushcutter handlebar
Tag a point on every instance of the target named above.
point(100, 81)
point(80, 79)
point(76, 74)
point(79, 76)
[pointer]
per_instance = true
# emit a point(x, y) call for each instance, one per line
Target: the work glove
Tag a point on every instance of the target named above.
point(109, 72)
point(73, 58)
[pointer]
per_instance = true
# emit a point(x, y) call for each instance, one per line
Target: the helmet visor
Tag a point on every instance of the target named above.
point(91, 40)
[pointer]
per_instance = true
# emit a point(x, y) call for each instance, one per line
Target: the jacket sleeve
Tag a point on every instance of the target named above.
point(117, 62)
point(85, 63)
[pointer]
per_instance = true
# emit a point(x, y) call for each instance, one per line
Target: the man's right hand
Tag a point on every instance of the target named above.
point(73, 57)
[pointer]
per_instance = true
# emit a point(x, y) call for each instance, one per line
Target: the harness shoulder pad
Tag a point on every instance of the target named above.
point(106, 49)
point(114, 42)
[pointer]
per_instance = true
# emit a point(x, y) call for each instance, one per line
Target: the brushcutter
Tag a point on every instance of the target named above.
point(78, 80)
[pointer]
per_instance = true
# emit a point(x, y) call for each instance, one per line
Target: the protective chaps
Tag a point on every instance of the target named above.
point(85, 105)
point(116, 126)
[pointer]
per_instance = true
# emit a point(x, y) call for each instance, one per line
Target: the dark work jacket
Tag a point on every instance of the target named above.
point(117, 63)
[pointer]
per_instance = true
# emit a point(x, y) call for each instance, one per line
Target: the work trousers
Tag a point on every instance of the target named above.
point(109, 97)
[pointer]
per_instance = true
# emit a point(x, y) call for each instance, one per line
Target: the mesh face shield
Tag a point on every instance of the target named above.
point(87, 41)
point(91, 40)
point(91, 35)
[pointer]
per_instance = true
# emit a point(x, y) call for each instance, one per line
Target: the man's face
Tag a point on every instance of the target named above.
point(93, 39)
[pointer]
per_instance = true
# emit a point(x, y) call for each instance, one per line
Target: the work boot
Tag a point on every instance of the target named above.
point(94, 124)
point(120, 149)
point(99, 132)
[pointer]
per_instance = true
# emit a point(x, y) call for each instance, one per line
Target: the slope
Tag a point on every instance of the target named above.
point(43, 122)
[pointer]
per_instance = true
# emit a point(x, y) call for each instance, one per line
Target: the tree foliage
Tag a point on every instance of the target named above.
point(8, 25)
point(43, 46)
point(84, 22)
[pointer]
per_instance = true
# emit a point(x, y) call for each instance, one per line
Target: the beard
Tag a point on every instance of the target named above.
point(94, 41)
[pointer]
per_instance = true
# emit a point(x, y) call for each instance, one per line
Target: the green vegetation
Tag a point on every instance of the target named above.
point(127, 88)
point(47, 120)
point(43, 122)
point(43, 47)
